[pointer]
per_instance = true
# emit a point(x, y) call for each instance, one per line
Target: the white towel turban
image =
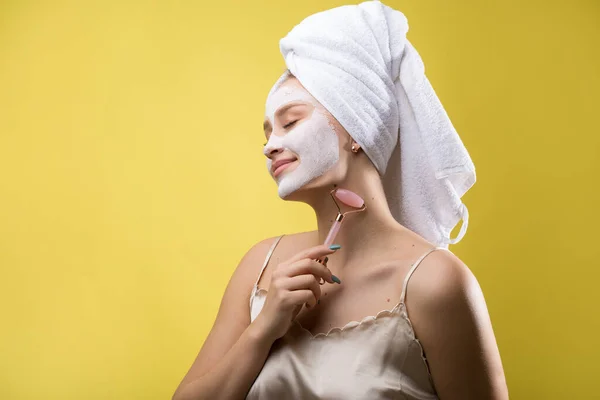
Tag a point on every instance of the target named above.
point(357, 62)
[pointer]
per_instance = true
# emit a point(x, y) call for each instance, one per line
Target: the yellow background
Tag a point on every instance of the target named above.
point(132, 181)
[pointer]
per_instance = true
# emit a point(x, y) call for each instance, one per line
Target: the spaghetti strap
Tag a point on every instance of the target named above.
point(267, 258)
point(413, 268)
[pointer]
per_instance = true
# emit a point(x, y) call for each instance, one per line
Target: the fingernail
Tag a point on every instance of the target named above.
point(335, 247)
point(336, 279)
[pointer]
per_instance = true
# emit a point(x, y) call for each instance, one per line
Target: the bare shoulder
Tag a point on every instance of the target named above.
point(450, 317)
point(442, 277)
point(233, 316)
point(289, 245)
point(252, 261)
point(443, 283)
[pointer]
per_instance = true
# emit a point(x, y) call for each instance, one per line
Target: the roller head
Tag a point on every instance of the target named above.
point(349, 198)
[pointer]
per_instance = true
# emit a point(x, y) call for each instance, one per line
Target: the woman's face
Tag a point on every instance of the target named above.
point(298, 128)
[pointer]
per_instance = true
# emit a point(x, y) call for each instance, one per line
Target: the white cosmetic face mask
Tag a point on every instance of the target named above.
point(313, 140)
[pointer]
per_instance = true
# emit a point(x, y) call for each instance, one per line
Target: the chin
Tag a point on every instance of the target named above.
point(316, 187)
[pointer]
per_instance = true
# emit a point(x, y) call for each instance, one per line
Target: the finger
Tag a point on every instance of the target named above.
point(299, 297)
point(309, 267)
point(313, 253)
point(301, 282)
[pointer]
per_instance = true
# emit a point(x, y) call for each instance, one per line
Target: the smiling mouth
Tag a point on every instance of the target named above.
point(282, 167)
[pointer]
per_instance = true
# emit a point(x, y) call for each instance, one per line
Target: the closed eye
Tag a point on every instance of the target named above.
point(290, 124)
point(285, 127)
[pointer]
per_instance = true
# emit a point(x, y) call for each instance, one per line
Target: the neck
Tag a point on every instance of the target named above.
point(363, 233)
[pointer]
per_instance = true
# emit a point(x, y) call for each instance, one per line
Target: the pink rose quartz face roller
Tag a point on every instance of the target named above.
point(350, 199)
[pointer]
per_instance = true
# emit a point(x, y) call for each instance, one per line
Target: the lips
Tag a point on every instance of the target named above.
point(280, 165)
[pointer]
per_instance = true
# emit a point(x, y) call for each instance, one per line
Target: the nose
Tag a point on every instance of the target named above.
point(272, 149)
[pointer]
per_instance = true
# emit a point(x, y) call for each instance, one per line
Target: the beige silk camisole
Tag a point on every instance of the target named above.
point(374, 359)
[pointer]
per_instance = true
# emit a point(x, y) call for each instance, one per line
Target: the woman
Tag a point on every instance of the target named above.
point(351, 338)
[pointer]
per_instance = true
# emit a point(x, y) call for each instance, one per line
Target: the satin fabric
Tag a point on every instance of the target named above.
point(376, 358)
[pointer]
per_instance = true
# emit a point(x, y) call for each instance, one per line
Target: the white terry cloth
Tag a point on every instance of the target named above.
point(357, 62)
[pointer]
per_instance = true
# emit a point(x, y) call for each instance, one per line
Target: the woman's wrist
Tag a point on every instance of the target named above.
point(259, 333)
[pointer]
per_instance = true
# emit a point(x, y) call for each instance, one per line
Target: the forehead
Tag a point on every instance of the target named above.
point(290, 91)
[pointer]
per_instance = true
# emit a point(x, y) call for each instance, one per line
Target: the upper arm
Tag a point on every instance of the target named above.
point(233, 316)
point(452, 322)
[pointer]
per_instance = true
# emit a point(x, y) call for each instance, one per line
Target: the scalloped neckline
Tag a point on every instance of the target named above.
point(350, 325)
point(354, 324)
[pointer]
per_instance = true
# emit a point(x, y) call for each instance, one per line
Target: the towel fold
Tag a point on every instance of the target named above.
point(357, 62)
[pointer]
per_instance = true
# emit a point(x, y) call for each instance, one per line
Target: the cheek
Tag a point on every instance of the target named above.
point(314, 133)
point(313, 139)
point(301, 139)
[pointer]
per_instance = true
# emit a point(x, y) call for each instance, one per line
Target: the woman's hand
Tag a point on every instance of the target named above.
point(293, 283)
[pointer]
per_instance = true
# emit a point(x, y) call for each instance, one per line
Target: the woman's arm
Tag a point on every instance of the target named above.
point(235, 350)
point(451, 320)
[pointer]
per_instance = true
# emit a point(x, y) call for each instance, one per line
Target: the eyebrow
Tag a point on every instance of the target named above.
point(282, 110)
